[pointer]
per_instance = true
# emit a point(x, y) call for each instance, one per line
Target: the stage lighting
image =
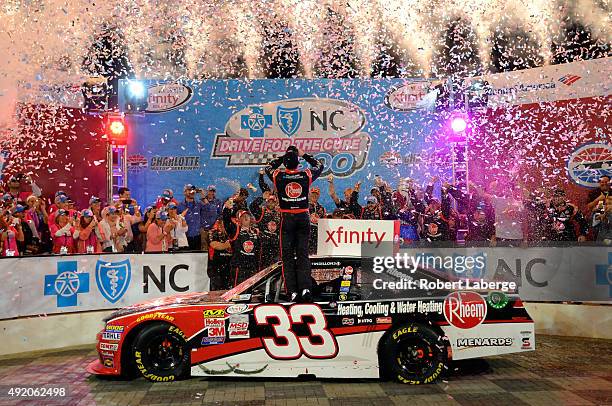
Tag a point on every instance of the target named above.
point(117, 127)
point(136, 95)
point(458, 124)
point(116, 131)
point(136, 89)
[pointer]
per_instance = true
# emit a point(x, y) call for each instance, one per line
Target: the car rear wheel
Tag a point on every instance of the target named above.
point(413, 354)
point(160, 353)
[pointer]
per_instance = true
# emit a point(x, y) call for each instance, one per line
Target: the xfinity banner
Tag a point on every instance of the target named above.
point(356, 237)
point(63, 284)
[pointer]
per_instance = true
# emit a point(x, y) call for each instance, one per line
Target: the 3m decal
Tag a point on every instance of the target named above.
point(290, 345)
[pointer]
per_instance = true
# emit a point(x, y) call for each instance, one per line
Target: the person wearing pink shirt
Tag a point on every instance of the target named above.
point(87, 234)
point(10, 232)
point(159, 233)
point(62, 230)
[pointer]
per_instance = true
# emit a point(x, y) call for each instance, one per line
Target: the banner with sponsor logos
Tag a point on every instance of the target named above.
point(549, 126)
point(222, 131)
point(63, 284)
point(579, 274)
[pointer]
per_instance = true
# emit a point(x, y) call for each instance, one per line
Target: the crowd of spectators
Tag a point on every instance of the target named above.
point(503, 212)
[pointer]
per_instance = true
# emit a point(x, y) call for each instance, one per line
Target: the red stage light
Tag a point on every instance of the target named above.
point(116, 130)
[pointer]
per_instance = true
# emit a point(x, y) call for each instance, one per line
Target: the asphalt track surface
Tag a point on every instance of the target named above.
point(562, 371)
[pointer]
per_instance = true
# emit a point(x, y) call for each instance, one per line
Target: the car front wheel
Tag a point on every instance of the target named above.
point(414, 354)
point(160, 353)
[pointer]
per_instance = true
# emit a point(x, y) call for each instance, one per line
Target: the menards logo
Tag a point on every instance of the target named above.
point(485, 342)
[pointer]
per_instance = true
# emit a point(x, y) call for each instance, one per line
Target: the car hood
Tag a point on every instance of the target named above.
point(183, 299)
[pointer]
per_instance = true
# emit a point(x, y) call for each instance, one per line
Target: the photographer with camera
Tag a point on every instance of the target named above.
point(292, 188)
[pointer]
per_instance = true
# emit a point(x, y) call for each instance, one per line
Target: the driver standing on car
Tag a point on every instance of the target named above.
point(292, 188)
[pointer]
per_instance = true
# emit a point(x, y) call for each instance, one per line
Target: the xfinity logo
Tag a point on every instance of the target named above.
point(342, 236)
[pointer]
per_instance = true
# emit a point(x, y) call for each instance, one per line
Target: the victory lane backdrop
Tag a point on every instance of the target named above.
point(63, 284)
point(222, 131)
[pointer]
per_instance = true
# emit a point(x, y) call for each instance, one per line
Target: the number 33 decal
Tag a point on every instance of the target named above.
point(295, 346)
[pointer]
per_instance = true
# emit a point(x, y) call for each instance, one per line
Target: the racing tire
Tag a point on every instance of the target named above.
point(413, 354)
point(160, 353)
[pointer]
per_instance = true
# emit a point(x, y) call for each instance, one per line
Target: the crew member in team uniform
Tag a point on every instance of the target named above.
point(219, 257)
point(268, 224)
point(292, 187)
point(245, 242)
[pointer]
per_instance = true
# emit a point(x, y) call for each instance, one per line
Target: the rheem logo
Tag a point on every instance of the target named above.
point(248, 246)
point(293, 190)
point(465, 309)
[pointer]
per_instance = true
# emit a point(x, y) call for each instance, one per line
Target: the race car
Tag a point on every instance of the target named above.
point(362, 324)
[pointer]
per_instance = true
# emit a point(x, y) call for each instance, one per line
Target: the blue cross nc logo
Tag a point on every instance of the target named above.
point(256, 122)
point(66, 284)
point(603, 274)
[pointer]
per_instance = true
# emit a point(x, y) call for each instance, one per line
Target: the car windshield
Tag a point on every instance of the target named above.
point(248, 283)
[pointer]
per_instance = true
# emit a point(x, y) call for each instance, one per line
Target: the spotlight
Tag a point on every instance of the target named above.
point(136, 89)
point(116, 129)
point(458, 124)
point(135, 94)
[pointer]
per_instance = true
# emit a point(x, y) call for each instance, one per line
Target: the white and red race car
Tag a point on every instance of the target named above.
point(352, 330)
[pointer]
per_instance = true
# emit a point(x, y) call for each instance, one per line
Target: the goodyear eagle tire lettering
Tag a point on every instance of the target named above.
point(413, 354)
point(160, 353)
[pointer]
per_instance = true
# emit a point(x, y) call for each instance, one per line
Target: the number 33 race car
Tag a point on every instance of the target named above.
point(352, 330)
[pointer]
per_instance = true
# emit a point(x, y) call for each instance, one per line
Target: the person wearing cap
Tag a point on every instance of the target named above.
point(87, 233)
point(95, 205)
point(62, 230)
point(292, 187)
point(565, 221)
point(159, 232)
point(194, 214)
point(268, 223)
point(372, 210)
point(179, 231)
point(211, 211)
point(15, 187)
point(166, 197)
point(113, 230)
point(11, 233)
point(62, 202)
point(219, 258)
point(245, 240)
